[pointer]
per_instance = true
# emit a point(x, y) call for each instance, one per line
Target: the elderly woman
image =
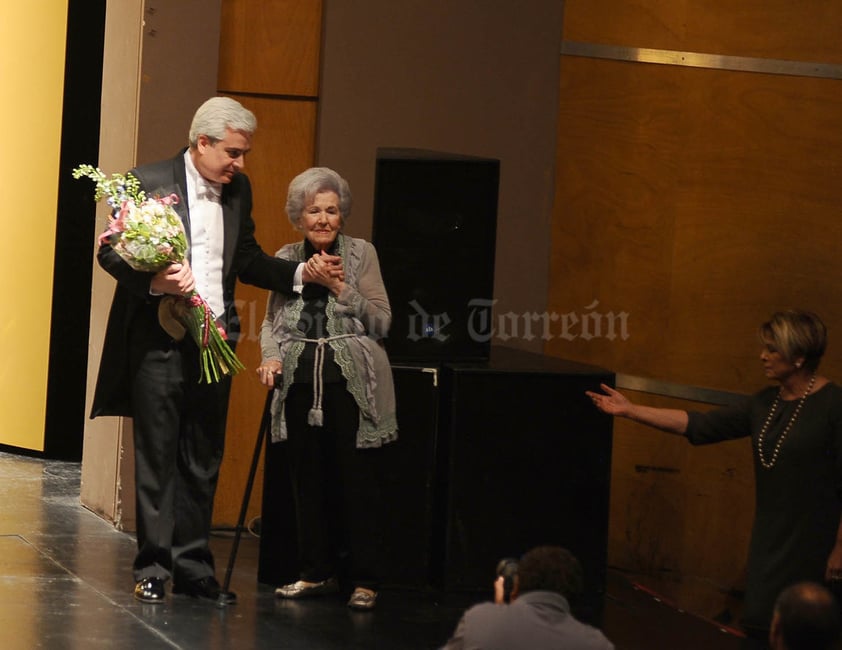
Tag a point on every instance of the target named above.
point(796, 434)
point(335, 402)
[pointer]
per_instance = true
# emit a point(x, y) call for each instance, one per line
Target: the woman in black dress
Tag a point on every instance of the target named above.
point(796, 433)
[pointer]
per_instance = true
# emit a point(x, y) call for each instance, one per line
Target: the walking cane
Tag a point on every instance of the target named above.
point(225, 596)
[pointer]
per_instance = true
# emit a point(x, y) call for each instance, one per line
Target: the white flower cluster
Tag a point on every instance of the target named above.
point(149, 236)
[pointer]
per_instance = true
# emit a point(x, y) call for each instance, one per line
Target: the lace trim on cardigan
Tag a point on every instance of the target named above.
point(361, 390)
point(289, 350)
point(361, 382)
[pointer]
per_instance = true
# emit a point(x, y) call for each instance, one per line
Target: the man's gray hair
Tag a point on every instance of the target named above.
point(218, 114)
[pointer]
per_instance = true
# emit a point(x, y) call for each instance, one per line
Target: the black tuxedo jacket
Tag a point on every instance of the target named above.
point(134, 307)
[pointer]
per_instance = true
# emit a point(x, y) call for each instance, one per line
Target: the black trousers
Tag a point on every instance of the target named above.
point(179, 434)
point(336, 487)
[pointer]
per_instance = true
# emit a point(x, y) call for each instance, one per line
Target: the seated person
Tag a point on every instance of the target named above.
point(538, 616)
point(806, 616)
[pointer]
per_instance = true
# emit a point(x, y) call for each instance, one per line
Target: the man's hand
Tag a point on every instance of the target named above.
point(176, 279)
point(323, 269)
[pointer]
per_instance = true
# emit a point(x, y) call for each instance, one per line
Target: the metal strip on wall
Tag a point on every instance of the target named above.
point(702, 60)
point(695, 60)
point(679, 391)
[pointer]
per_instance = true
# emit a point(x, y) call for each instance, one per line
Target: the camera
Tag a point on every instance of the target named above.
point(507, 569)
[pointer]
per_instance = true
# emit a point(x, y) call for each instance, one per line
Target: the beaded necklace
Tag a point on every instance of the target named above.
point(771, 463)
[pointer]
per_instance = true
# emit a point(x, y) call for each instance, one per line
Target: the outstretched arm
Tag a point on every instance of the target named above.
point(613, 402)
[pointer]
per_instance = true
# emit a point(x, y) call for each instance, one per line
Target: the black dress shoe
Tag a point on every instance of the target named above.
point(150, 590)
point(206, 588)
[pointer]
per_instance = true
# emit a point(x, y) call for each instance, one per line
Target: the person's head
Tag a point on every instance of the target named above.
point(318, 202)
point(806, 617)
point(220, 137)
point(549, 568)
point(792, 340)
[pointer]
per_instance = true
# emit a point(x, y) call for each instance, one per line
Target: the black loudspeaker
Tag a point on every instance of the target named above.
point(524, 460)
point(409, 481)
point(435, 225)
point(408, 466)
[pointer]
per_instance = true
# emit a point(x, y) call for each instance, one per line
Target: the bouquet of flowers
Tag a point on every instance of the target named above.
point(147, 233)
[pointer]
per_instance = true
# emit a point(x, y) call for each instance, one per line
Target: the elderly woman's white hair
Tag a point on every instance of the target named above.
point(218, 114)
point(310, 182)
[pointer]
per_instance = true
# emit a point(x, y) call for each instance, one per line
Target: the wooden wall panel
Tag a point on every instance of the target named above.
point(271, 47)
point(693, 202)
point(773, 29)
point(613, 216)
point(269, 61)
point(669, 502)
point(756, 213)
point(697, 222)
point(282, 147)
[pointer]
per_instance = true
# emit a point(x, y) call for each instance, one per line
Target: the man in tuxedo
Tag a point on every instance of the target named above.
point(179, 422)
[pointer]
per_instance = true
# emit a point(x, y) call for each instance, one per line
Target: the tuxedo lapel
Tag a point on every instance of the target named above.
point(183, 207)
point(230, 224)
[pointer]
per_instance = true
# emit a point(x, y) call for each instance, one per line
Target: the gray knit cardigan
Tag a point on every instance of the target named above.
point(361, 309)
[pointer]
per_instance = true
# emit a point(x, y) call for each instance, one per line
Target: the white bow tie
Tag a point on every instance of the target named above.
point(207, 190)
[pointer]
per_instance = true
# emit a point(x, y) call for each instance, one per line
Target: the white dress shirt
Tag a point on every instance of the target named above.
point(206, 235)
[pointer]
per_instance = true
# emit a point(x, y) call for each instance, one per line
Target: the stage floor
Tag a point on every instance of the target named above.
point(65, 582)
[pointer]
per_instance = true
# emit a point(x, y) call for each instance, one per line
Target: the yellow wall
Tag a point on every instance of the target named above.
point(32, 41)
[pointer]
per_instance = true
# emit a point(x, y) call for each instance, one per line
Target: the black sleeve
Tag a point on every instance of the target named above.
point(138, 282)
point(719, 424)
point(253, 265)
point(265, 271)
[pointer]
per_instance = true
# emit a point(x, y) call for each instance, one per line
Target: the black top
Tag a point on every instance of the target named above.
point(313, 325)
point(797, 500)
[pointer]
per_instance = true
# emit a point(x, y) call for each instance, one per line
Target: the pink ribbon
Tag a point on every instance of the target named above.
point(194, 301)
point(116, 224)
